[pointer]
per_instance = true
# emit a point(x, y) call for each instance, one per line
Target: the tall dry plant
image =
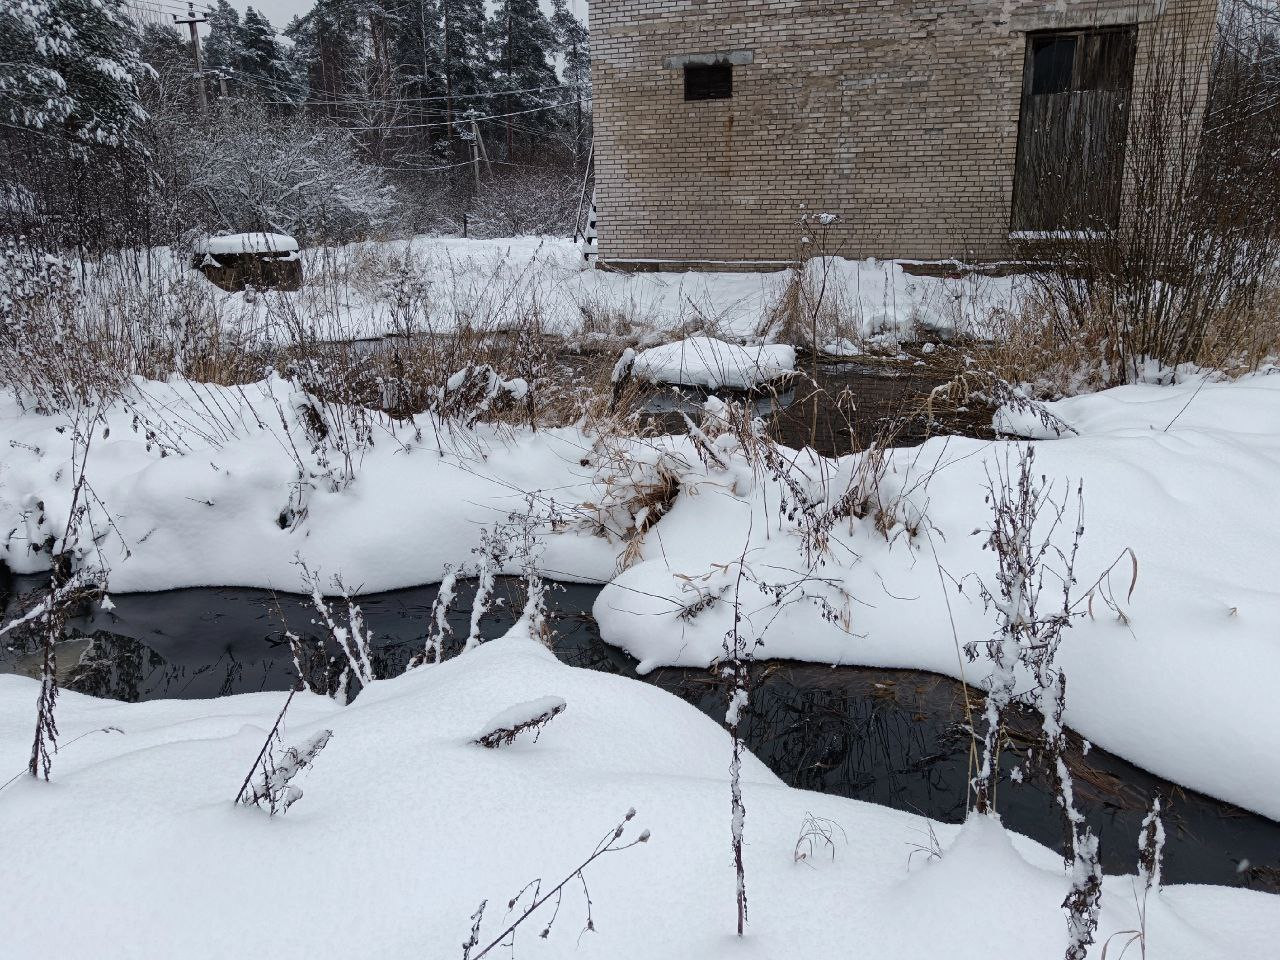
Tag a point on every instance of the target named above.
point(532, 898)
point(1034, 603)
point(74, 579)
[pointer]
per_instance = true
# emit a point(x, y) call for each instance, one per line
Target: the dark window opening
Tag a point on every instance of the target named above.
point(1072, 129)
point(1051, 61)
point(1083, 60)
point(708, 81)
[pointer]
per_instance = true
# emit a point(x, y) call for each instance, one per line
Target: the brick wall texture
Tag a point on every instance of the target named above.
point(899, 115)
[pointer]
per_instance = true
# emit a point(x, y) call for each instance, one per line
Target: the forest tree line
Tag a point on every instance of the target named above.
point(360, 117)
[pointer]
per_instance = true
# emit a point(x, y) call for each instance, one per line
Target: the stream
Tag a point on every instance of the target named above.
point(894, 737)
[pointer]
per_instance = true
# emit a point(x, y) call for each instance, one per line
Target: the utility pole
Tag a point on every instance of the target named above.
point(484, 153)
point(191, 21)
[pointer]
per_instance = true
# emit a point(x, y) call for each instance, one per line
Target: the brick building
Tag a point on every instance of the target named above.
point(930, 126)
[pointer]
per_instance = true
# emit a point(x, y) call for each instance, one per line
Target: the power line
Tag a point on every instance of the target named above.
point(466, 119)
point(357, 101)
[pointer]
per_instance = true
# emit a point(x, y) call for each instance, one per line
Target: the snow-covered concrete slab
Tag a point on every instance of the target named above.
point(236, 243)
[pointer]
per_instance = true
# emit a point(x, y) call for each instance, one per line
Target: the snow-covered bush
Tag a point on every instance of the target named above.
point(244, 170)
point(352, 639)
point(272, 784)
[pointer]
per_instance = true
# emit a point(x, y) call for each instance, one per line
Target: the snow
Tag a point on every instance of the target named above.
point(201, 504)
point(714, 364)
point(359, 291)
point(1177, 678)
point(406, 826)
point(247, 243)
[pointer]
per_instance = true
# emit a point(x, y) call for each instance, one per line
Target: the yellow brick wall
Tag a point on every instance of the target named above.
point(900, 116)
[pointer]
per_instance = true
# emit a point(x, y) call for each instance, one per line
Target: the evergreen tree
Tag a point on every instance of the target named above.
point(574, 45)
point(264, 67)
point(328, 55)
point(573, 42)
point(222, 49)
point(521, 44)
point(416, 47)
point(164, 49)
point(464, 51)
point(71, 66)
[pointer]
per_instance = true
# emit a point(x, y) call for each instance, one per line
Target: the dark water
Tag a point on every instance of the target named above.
point(839, 407)
point(893, 737)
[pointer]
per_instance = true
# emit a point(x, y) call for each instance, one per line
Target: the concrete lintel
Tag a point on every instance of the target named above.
point(1081, 18)
point(736, 57)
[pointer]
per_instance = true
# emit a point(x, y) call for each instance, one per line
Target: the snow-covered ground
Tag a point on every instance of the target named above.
point(1176, 678)
point(371, 289)
point(136, 849)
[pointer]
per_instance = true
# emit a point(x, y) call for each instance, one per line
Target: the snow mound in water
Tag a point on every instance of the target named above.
point(714, 364)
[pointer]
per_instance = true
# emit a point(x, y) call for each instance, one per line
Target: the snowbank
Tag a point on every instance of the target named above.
point(366, 290)
point(406, 826)
point(711, 363)
point(223, 486)
point(1177, 679)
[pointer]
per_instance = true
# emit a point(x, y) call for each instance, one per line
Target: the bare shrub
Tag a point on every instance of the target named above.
point(527, 203)
point(1181, 274)
point(245, 170)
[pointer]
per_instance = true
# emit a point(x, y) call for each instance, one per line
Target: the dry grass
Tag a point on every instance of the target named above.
point(1057, 353)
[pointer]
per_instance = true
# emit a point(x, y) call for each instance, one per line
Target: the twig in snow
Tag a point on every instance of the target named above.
point(515, 720)
point(608, 844)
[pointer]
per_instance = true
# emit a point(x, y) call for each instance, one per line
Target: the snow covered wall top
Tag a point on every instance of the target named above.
point(248, 243)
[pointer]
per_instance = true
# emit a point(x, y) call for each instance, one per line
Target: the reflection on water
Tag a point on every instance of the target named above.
point(894, 737)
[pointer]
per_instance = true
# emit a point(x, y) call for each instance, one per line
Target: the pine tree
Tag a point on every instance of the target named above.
point(573, 42)
point(416, 48)
point(328, 55)
point(465, 67)
point(464, 53)
point(521, 44)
